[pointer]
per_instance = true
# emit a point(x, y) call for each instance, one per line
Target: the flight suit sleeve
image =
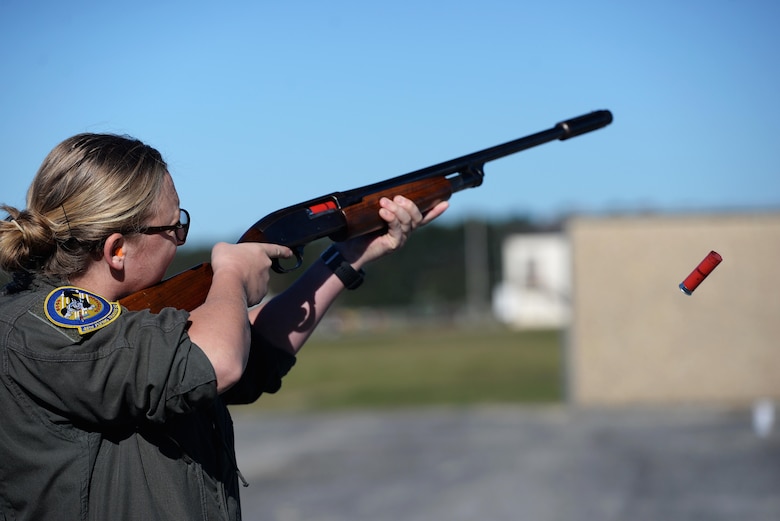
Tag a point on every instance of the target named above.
point(141, 367)
point(266, 367)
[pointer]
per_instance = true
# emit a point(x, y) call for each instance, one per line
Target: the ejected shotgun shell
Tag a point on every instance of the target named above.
point(700, 273)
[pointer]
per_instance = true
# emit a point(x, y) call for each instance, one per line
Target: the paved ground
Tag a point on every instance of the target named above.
point(509, 463)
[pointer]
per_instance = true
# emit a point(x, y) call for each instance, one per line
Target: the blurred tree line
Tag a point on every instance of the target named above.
point(429, 271)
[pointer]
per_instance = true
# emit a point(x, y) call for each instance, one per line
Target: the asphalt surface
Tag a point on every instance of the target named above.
point(509, 463)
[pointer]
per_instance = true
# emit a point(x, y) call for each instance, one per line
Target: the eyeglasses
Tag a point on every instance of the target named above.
point(180, 229)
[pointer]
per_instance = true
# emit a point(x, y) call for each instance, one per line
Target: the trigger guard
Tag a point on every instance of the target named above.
point(277, 266)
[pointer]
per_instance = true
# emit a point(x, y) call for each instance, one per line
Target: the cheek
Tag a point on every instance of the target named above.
point(165, 256)
point(156, 259)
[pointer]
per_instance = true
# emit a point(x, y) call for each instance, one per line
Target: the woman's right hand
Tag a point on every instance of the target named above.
point(250, 262)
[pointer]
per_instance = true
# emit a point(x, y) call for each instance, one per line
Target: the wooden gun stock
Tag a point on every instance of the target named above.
point(186, 290)
point(344, 215)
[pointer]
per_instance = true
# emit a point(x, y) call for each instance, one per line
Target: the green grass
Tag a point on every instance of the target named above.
point(443, 366)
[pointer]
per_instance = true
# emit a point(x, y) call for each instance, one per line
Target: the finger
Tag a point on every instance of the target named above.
point(405, 215)
point(277, 251)
point(415, 215)
point(389, 210)
point(407, 204)
point(435, 212)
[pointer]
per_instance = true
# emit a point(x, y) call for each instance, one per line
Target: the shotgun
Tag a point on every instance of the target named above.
point(343, 215)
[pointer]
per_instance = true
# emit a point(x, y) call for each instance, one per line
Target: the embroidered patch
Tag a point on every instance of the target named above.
point(73, 307)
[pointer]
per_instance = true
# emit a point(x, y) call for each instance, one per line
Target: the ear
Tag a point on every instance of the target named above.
point(114, 251)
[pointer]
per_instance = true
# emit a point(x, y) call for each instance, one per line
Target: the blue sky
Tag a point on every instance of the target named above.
point(258, 105)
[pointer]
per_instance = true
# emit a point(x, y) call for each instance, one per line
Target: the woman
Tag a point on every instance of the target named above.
point(113, 414)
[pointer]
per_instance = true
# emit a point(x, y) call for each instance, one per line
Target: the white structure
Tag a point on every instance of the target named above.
point(536, 285)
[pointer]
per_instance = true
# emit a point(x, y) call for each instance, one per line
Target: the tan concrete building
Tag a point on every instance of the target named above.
point(635, 337)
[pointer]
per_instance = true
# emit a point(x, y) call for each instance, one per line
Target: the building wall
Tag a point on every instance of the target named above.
point(636, 338)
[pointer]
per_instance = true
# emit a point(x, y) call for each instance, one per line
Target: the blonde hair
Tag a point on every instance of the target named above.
point(88, 187)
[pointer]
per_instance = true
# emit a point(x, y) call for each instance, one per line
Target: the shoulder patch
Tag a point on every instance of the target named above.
point(72, 307)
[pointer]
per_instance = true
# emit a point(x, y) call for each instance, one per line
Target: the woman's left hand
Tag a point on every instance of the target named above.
point(402, 217)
